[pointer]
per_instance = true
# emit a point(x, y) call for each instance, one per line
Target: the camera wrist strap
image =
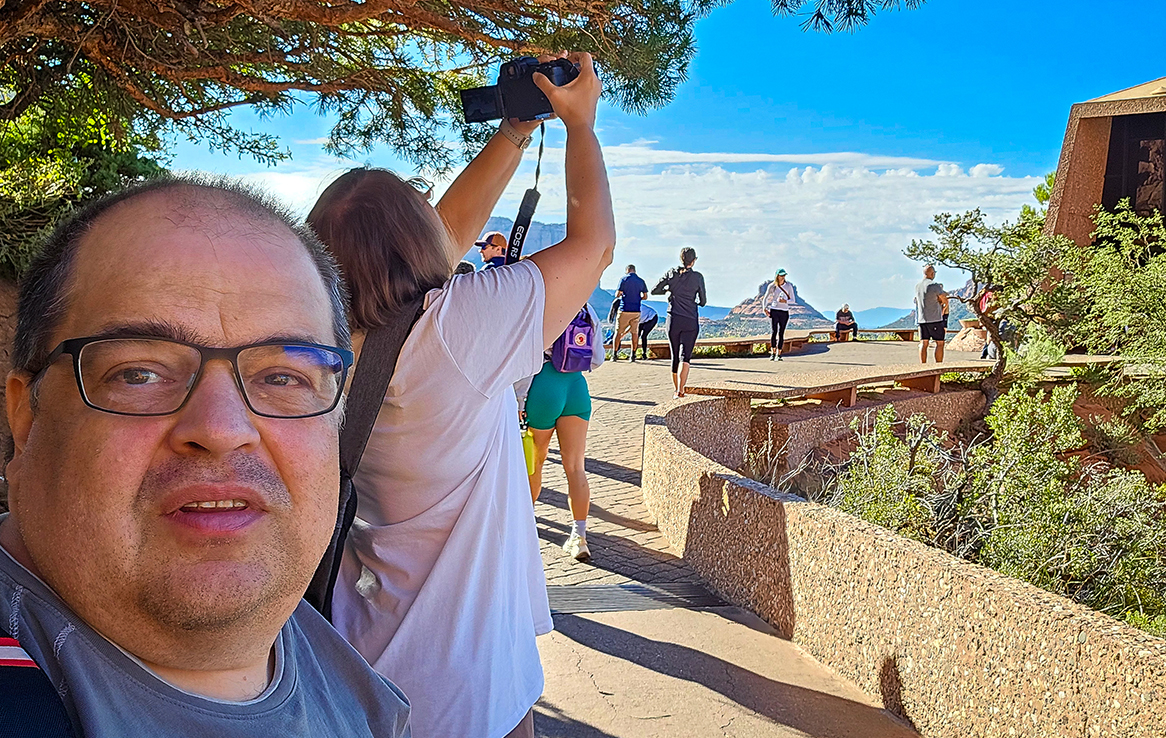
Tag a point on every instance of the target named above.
point(526, 210)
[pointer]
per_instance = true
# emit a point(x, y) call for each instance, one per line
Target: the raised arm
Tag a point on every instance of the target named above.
point(467, 204)
point(572, 267)
point(661, 287)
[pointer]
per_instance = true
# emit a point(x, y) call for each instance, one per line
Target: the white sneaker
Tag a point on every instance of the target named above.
point(576, 547)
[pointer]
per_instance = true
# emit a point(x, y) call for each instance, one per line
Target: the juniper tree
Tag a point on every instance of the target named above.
point(1011, 261)
point(386, 70)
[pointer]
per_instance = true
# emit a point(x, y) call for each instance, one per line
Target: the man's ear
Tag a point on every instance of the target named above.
point(18, 397)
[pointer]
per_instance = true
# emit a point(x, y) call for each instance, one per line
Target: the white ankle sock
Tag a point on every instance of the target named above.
point(580, 527)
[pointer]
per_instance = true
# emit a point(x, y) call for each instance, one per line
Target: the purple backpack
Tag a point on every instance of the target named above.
point(572, 350)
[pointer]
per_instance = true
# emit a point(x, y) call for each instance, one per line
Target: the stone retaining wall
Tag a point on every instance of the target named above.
point(955, 648)
point(796, 431)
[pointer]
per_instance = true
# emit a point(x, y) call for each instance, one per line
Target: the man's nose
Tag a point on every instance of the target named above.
point(215, 417)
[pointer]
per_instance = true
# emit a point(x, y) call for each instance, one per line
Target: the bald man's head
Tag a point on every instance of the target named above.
point(206, 203)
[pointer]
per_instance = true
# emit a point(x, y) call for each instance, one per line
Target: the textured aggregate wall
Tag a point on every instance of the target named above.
point(800, 430)
point(955, 648)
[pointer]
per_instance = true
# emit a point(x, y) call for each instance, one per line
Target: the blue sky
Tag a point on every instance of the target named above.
point(822, 154)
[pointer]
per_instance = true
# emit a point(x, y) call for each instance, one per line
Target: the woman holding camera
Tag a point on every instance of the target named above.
point(685, 288)
point(441, 586)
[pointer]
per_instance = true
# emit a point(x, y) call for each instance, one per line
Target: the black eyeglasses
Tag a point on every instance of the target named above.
point(145, 376)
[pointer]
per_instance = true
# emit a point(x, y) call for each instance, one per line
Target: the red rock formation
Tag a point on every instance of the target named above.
point(799, 310)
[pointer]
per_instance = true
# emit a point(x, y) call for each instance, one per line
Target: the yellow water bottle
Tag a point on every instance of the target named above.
point(528, 450)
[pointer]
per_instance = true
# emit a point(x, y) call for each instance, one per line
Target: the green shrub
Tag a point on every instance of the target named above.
point(708, 352)
point(1024, 502)
point(1037, 354)
point(888, 479)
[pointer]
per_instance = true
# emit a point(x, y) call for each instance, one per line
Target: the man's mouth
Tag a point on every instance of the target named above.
point(216, 517)
point(214, 506)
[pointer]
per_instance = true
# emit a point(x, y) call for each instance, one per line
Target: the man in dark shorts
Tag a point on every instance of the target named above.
point(930, 307)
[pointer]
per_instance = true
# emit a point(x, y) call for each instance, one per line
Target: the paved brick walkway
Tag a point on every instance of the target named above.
point(625, 545)
point(615, 660)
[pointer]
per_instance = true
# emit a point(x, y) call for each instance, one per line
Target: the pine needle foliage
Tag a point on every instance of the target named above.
point(50, 162)
point(389, 70)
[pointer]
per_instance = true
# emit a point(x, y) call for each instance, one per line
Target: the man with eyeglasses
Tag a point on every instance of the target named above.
point(180, 355)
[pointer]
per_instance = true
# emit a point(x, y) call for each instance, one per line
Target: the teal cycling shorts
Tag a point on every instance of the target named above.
point(554, 394)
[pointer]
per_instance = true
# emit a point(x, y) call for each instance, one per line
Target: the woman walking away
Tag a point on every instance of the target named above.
point(776, 302)
point(558, 403)
point(441, 586)
point(685, 289)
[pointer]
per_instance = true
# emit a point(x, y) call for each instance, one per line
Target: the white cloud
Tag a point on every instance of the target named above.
point(838, 228)
point(986, 170)
point(642, 153)
point(313, 141)
point(837, 221)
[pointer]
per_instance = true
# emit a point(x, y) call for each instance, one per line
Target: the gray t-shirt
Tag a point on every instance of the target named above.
point(322, 687)
point(927, 306)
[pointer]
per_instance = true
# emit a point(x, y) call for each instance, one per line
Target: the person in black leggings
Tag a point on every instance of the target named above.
point(778, 297)
point(685, 289)
point(647, 325)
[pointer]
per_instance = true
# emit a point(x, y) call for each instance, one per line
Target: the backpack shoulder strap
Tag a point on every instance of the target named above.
point(29, 704)
point(374, 371)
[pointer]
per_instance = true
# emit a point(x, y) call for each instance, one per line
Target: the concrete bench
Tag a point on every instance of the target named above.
point(842, 387)
point(904, 334)
point(794, 342)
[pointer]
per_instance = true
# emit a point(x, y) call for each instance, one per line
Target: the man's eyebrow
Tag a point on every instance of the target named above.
point(151, 329)
point(172, 332)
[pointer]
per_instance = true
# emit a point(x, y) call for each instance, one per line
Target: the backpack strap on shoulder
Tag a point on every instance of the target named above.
point(29, 704)
point(374, 371)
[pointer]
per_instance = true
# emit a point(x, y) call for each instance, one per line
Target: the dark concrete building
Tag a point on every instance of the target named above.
point(1115, 148)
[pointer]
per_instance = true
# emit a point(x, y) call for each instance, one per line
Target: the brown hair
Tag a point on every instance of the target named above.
point(687, 256)
point(390, 242)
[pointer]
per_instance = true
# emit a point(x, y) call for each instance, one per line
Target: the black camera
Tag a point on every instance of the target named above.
point(516, 95)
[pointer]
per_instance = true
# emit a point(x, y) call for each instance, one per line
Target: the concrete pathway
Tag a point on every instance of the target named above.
point(638, 650)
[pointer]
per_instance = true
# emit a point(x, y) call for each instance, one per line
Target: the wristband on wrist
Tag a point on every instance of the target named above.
point(513, 136)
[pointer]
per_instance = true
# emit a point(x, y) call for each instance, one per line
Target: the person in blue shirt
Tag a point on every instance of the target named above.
point(631, 291)
point(493, 248)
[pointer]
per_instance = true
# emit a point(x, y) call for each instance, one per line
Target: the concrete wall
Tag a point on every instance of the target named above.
point(1084, 151)
point(955, 648)
point(797, 431)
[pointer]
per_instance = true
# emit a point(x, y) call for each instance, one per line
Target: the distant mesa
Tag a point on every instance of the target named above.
point(801, 313)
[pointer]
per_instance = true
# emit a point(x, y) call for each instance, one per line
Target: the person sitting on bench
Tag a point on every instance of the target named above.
point(844, 322)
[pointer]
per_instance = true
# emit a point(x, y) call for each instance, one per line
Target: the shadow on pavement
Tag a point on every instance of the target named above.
point(648, 403)
point(618, 472)
point(550, 722)
point(814, 713)
point(557, 499)
point(620, 555)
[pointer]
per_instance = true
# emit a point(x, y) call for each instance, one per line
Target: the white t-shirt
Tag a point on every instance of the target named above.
point(441, 587)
